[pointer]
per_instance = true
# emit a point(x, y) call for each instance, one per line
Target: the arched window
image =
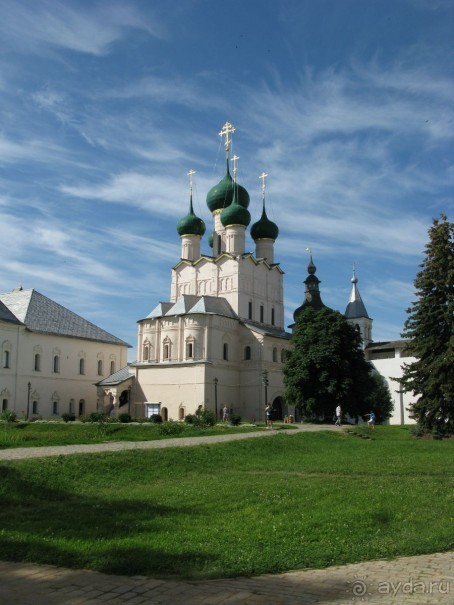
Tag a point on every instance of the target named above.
point(190, 348)
point(167, 349)
point(274, 354)
point(4, 404)
point(81, 407)
point(37, 362)
point(146, 352)
point(112, 367)
point(262, 313)
point(6, 359)
point(56, 364)
point(272, 316)
point(81, 366)
point(164, 414)
point(249, 310)
point(72, 403)
point(55, 408)
point(35, 407)
point(225, 351)
point(247, 353)
point(99, 367)
point(181, 414)
point(283, 353)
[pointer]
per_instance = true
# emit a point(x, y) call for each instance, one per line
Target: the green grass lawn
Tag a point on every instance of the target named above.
point(256, 506)
point(32, 434)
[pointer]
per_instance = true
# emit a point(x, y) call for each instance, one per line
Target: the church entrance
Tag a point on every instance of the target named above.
point(278, 404)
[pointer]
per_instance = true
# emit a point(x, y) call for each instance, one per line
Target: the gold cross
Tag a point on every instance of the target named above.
point(227, 130)
point(190, 173)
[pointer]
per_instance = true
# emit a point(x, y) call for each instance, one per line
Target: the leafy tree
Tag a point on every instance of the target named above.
point(379, 399)
point(326, 365)
point(429, 329)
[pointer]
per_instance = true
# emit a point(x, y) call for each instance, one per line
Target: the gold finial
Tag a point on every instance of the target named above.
point(227, 130)
point(190, 173)
point(263, 177)
point(235, 167)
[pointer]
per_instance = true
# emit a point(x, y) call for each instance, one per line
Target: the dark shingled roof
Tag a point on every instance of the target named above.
point(117, 377)
point(41, 314)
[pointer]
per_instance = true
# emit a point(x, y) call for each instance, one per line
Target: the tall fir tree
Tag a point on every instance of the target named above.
point(429, 328)
point(326, 366)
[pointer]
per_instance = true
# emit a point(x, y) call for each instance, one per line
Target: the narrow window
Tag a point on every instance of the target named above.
point(112, 367)
point(71, 406)
point(56, 364)
point(4, 405)
point(81, 407)
point(166, 352)
point(35, 407)
point(82, 366)
point(37, 364)
point(283, 355)
point(99, 367)
point(272, 316)
point(225, 353)
point(247, 353)
point(146, 352)
point(189, 350)
point(274, 354)
point(262, 313)
point(165, 414)
point(55, 408)
point(249, 312)
point(6, 359)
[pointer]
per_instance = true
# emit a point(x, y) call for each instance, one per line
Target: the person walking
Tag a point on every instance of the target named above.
point(269, 423)
point(371, 421)
point(338, 415)
point(225, 414)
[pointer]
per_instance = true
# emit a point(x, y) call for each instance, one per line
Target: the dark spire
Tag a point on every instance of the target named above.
point(312, 296)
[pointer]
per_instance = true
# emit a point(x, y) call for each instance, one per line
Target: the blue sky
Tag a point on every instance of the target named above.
point(105, 107)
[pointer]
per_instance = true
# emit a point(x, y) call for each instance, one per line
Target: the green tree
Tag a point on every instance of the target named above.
point(429, 328)
point(379, 399)
point(326, 365)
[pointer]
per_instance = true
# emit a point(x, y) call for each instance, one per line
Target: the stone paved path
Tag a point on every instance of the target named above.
point(420, 580)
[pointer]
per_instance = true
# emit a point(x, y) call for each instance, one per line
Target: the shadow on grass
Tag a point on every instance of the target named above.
point(69, 529)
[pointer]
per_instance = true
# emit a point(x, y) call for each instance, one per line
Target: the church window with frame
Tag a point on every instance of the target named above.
point(6, 359)
point(167, 349)
point(81, 366)
point(56, 364)
point(274, 354)
point(100, 368)
point(37, 362)
point(190, 349)
point(247, 353)
point(112, 367)
point(225, 351)
point(34, 407)
point(55, 408)
point(146, 351)
point(249, 310)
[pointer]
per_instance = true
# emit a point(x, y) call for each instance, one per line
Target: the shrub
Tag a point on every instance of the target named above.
point(125, 417)
point(8, 415)
point(35, 417)
point(156, 418)
point(68, 417)
point(191, 419)
point(84, 418)
point(235, 420)
point(97, 417)
point(171, 427)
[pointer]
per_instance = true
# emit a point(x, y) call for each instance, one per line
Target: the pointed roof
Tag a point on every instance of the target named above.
point(189, 303)
point(312, 296)
point(41, 314)
point(355, 307)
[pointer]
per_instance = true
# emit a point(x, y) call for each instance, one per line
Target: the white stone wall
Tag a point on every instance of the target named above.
point(47, 385)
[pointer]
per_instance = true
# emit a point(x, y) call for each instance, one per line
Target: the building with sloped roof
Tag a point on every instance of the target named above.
point(51, 357)
point(220, 339)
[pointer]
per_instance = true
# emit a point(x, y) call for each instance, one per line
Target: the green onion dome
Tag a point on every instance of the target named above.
point(221, 195)
point(264, 228)
point(235, 214)
point(211, 239)
point(191, 224)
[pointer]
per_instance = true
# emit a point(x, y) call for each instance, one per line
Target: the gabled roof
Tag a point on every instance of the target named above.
point(6, 315)
point(41, 314)
point(267, 330)
point(189, 303)
point(116, 378)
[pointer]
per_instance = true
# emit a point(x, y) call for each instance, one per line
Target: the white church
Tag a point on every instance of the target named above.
point(220, 340)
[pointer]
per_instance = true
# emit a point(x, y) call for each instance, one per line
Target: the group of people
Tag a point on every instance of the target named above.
point(370, 422)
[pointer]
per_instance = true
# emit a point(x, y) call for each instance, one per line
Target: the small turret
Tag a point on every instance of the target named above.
point(190, 228)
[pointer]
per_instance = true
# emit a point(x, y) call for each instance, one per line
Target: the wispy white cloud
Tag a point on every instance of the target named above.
point(57, 24)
